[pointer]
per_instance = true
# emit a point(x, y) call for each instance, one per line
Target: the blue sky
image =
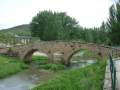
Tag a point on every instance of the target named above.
point(89, 13)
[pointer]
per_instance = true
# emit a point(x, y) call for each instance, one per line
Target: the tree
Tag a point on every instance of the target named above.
point(53, 26)
point(42, 26)
point(114, 24)
point(103, 34)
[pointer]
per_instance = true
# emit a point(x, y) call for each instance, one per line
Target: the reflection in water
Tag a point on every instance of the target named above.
point(76, 62)
point(81, 63)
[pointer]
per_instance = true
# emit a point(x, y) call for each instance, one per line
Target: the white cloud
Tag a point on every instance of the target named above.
point(89, 13)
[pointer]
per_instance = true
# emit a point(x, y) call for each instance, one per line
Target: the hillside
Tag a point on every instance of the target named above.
point(19, 30)
point(8, 35)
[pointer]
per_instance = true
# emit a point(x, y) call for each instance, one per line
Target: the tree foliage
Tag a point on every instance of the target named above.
point(53, 26)
point(59, 26)
point(114, 24)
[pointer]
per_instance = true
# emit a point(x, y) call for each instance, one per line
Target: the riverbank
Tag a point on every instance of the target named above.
point(89, 78)
point(10, 66)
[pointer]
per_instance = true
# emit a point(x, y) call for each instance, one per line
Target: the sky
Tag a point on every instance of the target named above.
point(89, 13)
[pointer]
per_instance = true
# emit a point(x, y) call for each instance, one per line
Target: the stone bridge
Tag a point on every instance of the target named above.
point(66, 49)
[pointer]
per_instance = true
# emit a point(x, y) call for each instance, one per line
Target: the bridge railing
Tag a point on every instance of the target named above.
point(113, 73)
point(115, 52)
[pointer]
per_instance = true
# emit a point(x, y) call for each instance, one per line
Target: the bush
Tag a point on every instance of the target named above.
point(40, 59)
point(53, 67)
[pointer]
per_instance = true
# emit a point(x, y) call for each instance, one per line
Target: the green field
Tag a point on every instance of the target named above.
point(88, 78)
point(9, 66)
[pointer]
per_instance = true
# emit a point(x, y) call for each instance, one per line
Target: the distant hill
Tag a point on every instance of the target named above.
point(18, 30)
point(8, 35)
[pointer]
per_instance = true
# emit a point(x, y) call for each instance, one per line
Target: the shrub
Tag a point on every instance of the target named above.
point(40, 59)
point(53, 67)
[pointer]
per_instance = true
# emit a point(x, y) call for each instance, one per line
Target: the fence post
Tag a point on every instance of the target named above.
point(113, 72)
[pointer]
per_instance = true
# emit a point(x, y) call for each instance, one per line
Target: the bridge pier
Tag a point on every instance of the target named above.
point(50, 57)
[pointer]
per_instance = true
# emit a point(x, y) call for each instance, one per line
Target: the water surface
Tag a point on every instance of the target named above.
point(24, 80)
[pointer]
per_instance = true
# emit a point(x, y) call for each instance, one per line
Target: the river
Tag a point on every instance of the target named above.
point(27, 79)
point(76, 62)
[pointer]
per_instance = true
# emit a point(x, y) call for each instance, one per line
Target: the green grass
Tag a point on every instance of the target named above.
point(53, 67)
point(9, 66)
point(40, 59)
point(43, 63)
point(88, 78)
point(90, 54)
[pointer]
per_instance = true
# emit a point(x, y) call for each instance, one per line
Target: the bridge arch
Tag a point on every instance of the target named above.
point(80, 50)
point(28, 55)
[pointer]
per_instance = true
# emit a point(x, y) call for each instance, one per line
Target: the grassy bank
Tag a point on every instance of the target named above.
point(9, 66)
point(43, 63)
point(53, 67)
point(40, 59)
point(88, 78)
